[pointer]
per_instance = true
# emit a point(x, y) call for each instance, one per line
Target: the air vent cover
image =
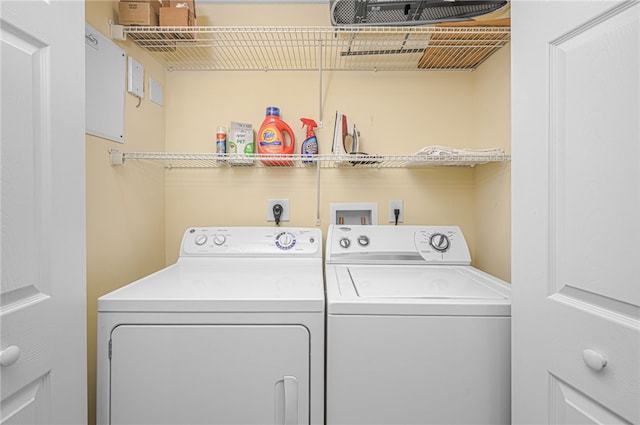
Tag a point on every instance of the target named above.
point(400, 13)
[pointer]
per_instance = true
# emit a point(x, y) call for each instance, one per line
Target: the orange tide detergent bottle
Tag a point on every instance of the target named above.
point(271, 137)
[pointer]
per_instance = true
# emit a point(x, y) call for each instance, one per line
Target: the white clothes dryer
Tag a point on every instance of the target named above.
point(232, 333)
point(415, 334)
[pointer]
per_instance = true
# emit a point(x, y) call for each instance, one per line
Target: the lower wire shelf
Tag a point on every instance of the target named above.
point(216, 160)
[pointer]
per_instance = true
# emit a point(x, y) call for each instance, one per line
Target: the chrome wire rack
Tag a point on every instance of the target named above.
point(214, 160)
point(318, 48)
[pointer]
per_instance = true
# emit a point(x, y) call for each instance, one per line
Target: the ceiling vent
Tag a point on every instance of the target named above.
point(405, 13)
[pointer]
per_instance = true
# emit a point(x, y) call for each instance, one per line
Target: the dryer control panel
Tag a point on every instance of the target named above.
point(396, 245)
point(251, 241)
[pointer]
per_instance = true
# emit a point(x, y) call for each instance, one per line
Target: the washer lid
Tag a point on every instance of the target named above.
point(405, 290)
point(224, 285)
point(433, 282)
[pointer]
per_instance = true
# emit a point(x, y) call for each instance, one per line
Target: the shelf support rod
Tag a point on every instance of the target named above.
point(320, 83)
point(320, 126)
point(318, 193)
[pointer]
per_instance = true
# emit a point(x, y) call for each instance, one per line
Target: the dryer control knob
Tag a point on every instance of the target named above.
point(219, 239)
point(285, 240)
point(363, 240)
point(201, 240)
point(345, 242)
point(440, 242)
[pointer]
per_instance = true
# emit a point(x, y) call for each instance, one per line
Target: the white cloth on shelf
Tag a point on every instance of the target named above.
point(447, 155)
point(435, 150)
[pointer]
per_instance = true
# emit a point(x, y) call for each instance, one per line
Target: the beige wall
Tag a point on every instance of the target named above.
point(125, 205)
point(136, 213)
point(492, 100)
point(395, 113)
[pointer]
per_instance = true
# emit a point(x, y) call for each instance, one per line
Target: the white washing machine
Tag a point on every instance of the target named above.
point(232, 333)
point(415, 334)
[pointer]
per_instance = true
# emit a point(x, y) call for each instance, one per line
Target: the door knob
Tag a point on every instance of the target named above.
point(593, 359)
point(9, 356)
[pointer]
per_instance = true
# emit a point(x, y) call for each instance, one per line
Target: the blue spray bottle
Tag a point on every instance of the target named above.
point(310, 145)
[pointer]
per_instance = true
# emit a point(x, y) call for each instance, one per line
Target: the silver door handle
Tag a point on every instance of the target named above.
point(9, 356)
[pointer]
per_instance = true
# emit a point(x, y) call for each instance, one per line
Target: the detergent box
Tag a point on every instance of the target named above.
point(240, 141)
point(138, 13)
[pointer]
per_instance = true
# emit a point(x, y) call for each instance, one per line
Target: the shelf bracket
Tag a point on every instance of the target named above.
point(117, 31)
point(116, 157)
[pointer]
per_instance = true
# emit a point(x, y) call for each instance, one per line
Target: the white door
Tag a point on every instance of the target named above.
point(209, 374)
point(43, 294)
point(576, 212)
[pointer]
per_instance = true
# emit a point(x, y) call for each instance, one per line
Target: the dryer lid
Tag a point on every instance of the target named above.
point(421, 282)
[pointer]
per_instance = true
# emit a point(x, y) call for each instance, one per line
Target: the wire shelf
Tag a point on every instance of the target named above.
point(319, 48)
point(214, 160)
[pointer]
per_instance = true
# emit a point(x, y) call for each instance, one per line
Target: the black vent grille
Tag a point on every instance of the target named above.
point(397, 12)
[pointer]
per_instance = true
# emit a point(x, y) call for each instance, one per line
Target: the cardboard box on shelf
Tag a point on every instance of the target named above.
point(190, 4)
point(176, 17)
point(138, 13)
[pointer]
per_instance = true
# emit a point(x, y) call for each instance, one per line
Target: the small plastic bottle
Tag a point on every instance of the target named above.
point(221, 139)
point(309, 147)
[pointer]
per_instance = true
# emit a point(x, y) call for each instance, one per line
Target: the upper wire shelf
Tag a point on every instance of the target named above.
point(215, 160)
point(238, 48)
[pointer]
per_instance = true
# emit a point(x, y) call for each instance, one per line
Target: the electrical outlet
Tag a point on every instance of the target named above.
point(285, 209)
point(393, 205)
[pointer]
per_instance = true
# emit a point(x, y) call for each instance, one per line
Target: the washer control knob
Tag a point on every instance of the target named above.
point(363, 240)
point(201, 240)
point(345, 242)
point(219, 239)
point(440, 242)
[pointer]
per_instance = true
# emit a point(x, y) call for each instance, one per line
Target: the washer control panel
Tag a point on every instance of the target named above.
point(251, 241)
point(396, 245)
